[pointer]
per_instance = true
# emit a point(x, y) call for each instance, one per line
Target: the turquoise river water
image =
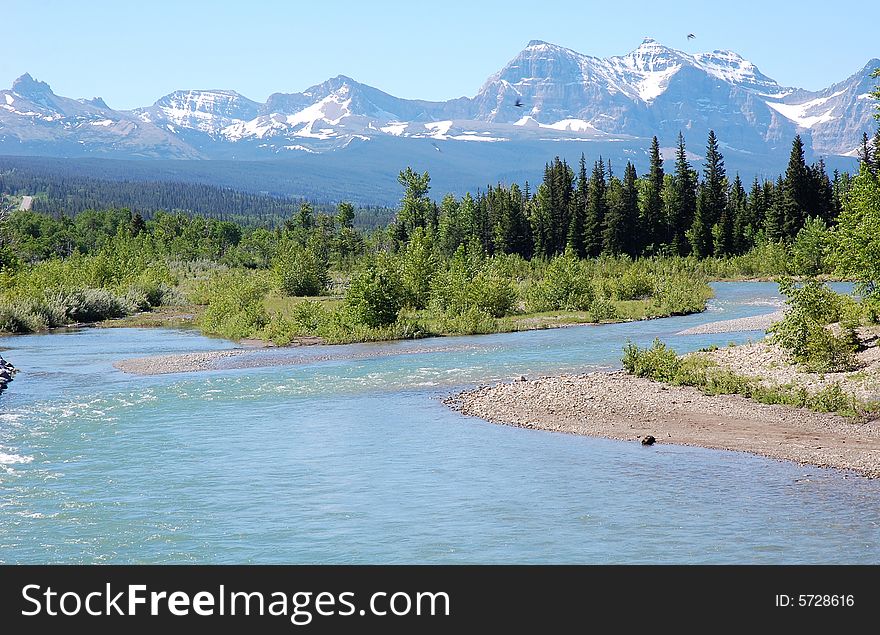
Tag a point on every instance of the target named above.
point(349, 456)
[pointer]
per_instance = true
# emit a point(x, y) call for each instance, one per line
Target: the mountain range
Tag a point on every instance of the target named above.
point(547, 100)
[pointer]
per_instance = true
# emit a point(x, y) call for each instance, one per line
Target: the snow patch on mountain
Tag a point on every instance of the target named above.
point(804, 114)
point(654, 84)
point(396, 129)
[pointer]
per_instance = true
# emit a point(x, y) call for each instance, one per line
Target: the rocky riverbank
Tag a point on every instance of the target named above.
point(738, 325)
point(619, 406)
point(7, 373)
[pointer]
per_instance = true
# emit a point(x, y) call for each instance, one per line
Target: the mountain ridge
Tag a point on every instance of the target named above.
point(610, 105)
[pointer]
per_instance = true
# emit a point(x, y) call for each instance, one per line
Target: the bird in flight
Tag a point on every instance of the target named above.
point(518, 103)
point(691, 36)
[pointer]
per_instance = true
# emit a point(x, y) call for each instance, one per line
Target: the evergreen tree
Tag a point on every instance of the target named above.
point(541, 218)
point(345, 215)
point(305, 218)
point(597, 208)
point(450, 231)
point(774, 222)
point(415, 206)
point(623, 214)
point(137, 224)
point(836, 192)
point(755, 211)
point(712, 200)
point(682, 202)
point(515, 224)
point(822, 193)
point(652, 204)
point(579, 212)
point(560, 179)
point(797, 190)
point(736, 204)
point(866, 153)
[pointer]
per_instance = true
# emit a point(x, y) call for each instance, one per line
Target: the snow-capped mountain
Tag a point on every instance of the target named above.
point(547, 93)
point(34, 120)
point(203, 110)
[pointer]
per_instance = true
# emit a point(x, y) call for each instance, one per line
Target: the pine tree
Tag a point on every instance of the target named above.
point(414, 207)
point(652, 205)
point(597, 208)
point(722, 232)
point(631, 210)
point(736, 204)
point(774, 220)
point(623, 214)
point(345, 215)
point(866, 153)
point(515, 224)
point(579, 211)
point(822, 193)
point(797, 192)
point(450, 230)
point(559, 179)
point(712, 200)
point(137, 224)
point(541, 218)
point(682, 205)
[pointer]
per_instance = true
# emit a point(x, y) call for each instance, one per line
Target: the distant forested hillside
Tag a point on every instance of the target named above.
point(60, 188)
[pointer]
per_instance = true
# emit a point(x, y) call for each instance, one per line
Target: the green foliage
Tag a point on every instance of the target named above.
point(661, 363)
point(471, 283)
point(376, 294)
point(857, 247)
point(418, 264)
point(564, 287)
point(235, 304)
point(299, 270)
point(472, 321)
point(810, 248)
point(657, 362)
point(803, 332)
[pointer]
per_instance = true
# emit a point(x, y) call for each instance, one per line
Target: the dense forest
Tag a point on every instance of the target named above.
point(59, 194)
point(584, 244)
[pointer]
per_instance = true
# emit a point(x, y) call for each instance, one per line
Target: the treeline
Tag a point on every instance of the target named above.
point(59, 194)
point(28, 237)
point(590, 212)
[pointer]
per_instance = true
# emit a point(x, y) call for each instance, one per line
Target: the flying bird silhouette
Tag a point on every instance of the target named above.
point(691, 36)
point(518, 103)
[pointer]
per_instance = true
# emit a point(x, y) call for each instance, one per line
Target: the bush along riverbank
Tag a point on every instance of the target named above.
point(823, 355)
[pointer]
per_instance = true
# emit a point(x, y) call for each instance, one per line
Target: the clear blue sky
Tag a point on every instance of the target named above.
point(132, 53)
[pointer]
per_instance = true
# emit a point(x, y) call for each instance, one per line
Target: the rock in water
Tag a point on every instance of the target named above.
point(648, 440)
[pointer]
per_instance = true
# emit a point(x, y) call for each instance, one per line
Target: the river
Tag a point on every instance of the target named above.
point(349, 456)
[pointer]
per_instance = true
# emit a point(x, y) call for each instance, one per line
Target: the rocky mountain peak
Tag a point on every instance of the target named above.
point(29, 88)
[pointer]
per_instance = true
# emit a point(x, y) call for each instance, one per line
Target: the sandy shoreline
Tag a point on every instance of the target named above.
point(603, 405)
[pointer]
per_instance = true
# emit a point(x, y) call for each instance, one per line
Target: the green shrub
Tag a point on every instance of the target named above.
point(603, 309)
point(802, 332)
point(833, 399)
point(418, 263)
point(565, 287)
point(376, 294)
point(472, 321)
point(657, 362)
point(235, 305)
point(471, 282)
point(492, 292)
point(300, 271)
